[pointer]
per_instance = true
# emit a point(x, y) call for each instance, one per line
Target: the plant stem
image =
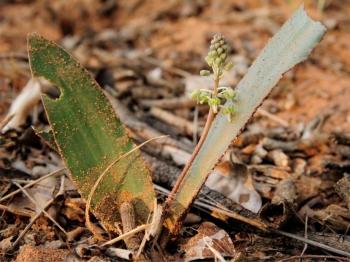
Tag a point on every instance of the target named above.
point(204, 135)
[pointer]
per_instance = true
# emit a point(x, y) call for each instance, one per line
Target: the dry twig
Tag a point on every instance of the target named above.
point(32, 183)
point(25, 230)
point(40, 207)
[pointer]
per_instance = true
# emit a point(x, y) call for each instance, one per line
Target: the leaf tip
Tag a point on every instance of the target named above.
point(31, 37)
point(302, 12)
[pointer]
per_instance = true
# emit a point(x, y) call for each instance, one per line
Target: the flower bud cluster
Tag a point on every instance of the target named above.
point(217, 60)
point(218, 53)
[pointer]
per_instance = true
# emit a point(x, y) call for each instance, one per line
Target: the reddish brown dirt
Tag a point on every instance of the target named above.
point(35, 254)
point(320, 85)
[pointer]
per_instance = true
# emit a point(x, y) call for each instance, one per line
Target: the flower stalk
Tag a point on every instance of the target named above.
point(217, 60)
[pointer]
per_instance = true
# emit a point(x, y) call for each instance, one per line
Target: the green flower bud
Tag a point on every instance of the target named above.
point(223, 56)
point(204, 97)
point(218, 61)
point(195, 94)
point(214, 103)
point(204, 73)
point(201, 96)
point(218, 53)
point(229, 94)
point(228, 111)
point(228, 66)
point(209, 60)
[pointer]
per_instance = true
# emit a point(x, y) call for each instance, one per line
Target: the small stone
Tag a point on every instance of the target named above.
point(278, 157)
point(256, 160)
point(299, 166)
point(55, 244)
point(260, 151)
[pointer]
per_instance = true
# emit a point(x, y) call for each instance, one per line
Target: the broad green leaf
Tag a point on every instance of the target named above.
point(89, 136)
point(291, 45)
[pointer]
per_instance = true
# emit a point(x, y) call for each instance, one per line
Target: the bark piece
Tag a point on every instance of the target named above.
point(278, 212)
point(127, 215)
point(343, 189)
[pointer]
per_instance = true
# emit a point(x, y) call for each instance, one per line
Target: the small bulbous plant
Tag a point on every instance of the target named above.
point(217, 60)
point(107, 150)
point(291, 45)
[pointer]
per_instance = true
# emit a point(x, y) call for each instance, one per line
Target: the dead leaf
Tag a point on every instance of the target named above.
point(234, 182)
point(5, 244)
point(74, 209)
point(23, 105)
point(197, 246)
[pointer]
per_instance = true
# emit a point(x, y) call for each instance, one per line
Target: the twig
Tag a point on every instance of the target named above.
point(169, 103)
point(25, 230)
point(154, 229)
point(6, 120)
point(32, 183)
point(16, 212)
point(173, 70)
point(88, 202)
point(313, 256)
point(183, 125)
point(277, 119)
point(312, 243)
point(213, 250)
point(255, 223)
point(305, 235)
point(18, 56)
point(143, 130)
point(127, 216)
point(146, 235)
point(130, 233)
point(40, 208)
